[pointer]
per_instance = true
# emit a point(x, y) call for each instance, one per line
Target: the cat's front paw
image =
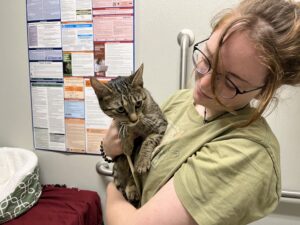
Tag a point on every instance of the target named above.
point(142, 165)
point(132, 193)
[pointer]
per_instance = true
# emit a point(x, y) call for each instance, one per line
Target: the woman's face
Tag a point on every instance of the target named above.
point(240, 64)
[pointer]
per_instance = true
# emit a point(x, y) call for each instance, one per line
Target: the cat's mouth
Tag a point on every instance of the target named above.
point(132, 124)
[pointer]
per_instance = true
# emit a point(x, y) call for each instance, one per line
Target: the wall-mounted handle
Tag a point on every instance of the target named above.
point(185, 39)
point(103, 169)
point(290, 194)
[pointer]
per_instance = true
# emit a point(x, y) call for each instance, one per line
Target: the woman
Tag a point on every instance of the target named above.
point(219, 161)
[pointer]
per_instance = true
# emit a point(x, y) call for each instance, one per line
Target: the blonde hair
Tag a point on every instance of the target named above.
point(274, 28)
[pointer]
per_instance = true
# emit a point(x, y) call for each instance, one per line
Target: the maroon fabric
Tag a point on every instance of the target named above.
point(63, 206)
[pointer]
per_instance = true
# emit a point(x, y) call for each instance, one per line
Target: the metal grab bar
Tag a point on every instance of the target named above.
point(185, 39)
point(290, 194)
point(103, 169)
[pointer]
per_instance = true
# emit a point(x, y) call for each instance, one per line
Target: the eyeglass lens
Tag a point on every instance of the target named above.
point(224, 87)
point(200, 62)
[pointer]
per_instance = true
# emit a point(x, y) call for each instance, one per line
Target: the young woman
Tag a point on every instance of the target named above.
point(219, 161)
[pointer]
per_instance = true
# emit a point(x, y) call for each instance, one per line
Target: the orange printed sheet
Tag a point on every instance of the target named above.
point(75, 135)
point(112, 3)
point(73, 87)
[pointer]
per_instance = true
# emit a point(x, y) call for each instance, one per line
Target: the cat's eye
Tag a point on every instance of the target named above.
point(120, 109)
point(138, 104)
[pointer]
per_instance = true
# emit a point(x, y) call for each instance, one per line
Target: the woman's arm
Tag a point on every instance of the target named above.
point(164, 208)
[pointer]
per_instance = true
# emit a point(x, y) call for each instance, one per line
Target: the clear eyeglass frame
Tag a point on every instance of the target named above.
point(225, 87)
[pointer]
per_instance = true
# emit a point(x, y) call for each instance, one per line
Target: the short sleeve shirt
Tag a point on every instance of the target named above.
point(222, 174)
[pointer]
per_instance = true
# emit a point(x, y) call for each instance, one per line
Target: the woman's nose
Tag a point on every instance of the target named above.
point(205, 83)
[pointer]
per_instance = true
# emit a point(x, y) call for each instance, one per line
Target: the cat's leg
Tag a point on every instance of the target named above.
point(143, 161)
point(128, 143)
point(124, 180)
point(121, 173)
point(133, 186)
point(131, 190)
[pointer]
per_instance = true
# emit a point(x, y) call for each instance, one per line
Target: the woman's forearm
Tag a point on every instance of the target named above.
point(163, 208)
point(118, 210)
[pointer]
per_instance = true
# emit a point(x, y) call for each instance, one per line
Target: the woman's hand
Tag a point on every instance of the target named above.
point(112, 143)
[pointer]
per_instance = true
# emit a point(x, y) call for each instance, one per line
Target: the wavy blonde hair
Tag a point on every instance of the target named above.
point(274, 28)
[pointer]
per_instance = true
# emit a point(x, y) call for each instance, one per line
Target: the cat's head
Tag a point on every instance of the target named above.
point(122, 98)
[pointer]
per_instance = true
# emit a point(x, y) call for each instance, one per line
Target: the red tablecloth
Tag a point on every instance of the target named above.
point(63, 206)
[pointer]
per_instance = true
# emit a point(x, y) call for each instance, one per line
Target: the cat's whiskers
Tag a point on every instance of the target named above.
point(123, 129)
point(147, 122)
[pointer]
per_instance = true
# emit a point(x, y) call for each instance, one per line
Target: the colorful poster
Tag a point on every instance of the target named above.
point(113, 27)
point(48, 115)
point(76, 10)
point(43, 10)
point(75, 135)
point(44, 35)
point(113, 38)
point(119, 59)
point(100, 67)
point(77, 37)
point(73, 87)
point(46, 69)
point(112, 3)
point(70, 41)
point(45, 55)
point(96, 122)
point(78, 64)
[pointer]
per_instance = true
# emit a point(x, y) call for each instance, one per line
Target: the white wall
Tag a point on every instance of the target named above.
point(157, 26)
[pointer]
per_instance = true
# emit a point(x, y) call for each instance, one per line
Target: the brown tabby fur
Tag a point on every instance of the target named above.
point(137, 116)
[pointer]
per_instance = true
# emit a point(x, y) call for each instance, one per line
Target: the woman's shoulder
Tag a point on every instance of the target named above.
point(183, 93)
point(259, 132)
point(180, 96)
point(256, 142)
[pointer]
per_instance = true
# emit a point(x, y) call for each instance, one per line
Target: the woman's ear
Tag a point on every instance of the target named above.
point(261, 93)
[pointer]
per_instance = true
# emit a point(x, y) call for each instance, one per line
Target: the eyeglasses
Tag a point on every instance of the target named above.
point(224, 86)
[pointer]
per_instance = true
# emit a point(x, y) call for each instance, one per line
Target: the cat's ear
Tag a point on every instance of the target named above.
point(138, 77)
point(100, 88)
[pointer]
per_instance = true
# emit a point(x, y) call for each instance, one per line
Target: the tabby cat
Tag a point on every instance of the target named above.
point(137, 116)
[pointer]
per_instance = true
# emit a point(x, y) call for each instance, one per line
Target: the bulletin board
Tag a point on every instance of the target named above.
point(68, 42)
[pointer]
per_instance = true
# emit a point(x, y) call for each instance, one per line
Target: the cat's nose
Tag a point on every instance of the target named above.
point(133, 117)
